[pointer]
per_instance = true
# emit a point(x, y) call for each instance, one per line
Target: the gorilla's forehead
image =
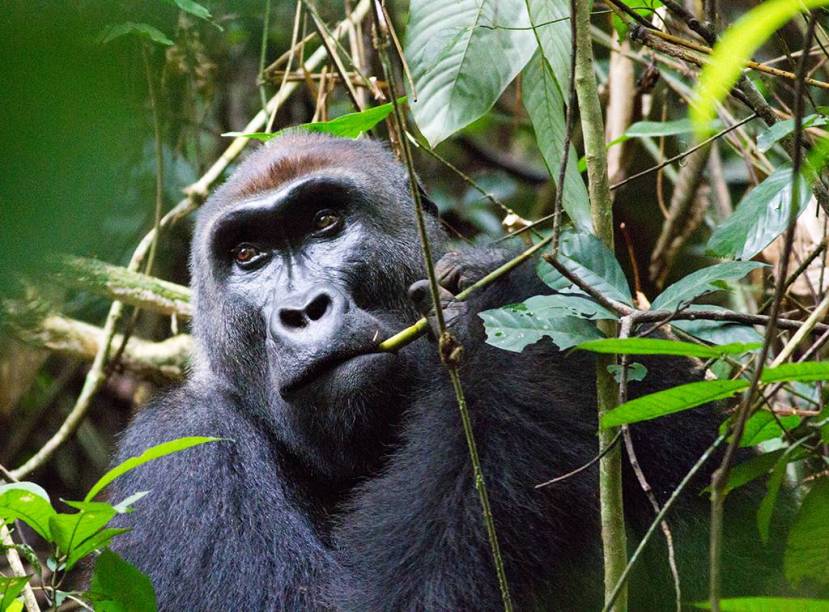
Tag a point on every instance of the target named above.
point(290, 157)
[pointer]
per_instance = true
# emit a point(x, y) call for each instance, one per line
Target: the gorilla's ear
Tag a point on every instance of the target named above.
point(428, 203)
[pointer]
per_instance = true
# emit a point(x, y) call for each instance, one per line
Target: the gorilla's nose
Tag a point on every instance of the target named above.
point(309, 317)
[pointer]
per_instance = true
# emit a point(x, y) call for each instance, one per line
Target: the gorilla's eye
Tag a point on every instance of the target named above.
point(326, 219)
point(245, 254)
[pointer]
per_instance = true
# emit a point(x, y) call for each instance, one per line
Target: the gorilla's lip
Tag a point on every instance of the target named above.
point(324, 365)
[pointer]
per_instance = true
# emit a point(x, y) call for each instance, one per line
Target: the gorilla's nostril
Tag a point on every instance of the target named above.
point(317, 308)
point(292, 319)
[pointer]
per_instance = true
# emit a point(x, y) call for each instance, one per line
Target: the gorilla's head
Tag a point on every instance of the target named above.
point(300, 265)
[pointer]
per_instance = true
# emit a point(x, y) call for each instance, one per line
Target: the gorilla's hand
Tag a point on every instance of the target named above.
point(421, 296)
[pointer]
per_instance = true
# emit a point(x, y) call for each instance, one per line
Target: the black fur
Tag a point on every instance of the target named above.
point(353, 490)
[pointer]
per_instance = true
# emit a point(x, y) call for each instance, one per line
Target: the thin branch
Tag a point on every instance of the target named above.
point(581, 468)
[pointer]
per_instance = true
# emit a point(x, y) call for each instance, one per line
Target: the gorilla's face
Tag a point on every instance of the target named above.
point(301, 265)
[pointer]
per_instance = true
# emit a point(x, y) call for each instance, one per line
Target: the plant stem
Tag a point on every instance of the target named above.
point(610, 465)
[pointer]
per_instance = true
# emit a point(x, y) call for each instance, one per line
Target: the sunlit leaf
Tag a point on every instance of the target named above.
point(152, 453)
point(29, 503)
point(807, 371)
point(769, 604)
point(672, 400)
point(763, 425)
point(97, 541)
point(71, 530)
point(658, 346)
point(734, 48)
point(10, 588)
point(761, 216)
point(807, 550)
point(350, 125)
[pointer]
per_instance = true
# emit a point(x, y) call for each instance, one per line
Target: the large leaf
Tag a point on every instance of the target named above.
point(672, 400)
point(761, 216)
point(569, 304)
point(96, 542)
point(29, 503)
point(350, 125)
point(462, 55)
point(72, 530)
point(514, 327)
point(769, 604)
point(735, 48)
point(588, 258)
point(808, 371)
point(542, 95)
point(807, 549)
point(658, 346)
point(762, 426)
point(152, 453)
point(701, 282)
point(118, 585)
point(718, 332)
point(751, 469)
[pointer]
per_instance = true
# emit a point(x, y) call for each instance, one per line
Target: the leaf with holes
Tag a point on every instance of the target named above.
point(514, 327)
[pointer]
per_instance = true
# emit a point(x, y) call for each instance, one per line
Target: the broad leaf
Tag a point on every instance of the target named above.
point(761, 216)
point(142, 30)
point(513, 328)
point(10, 588)
point(96, 542)
point(749, 470)
point(635, 372)
point(658, 346)
point(762, 426)
point(766, 508)
point(807, 550)
point(734, 49)
point(781, 129)
point(152, 453)
point(462, 56)
point(702, 282)
point(542, 96)
point(29, 503)
point(71, 530)
point(588, 258)
point(118, 585)
point(350, 125)
point(719, 332)
point(568, 304)
point(672, 400)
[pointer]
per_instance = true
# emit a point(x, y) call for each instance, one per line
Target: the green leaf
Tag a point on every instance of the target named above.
point(194, 8)
point(152, 453)
point(809, 371)
point(568, 304)
point(10, 588)
point(350, 125)
point(766, 508)
point(71, 530)
point(807, 550)
point(588, 258)
point(142, 30)
point(513, 328)
point(462, 56)
point(761, 216)
point(545, 106)
point(636, 372)
point(96, 542)
point(702, 282)
point(29, 503)
point(657, 346)
point(762, 426)
point(718, 332)
point(118, 585)
point(768, 604)
point(749, 470)
point(734, 48)
point(781, 129)
point(671, 400)
point(16, 606)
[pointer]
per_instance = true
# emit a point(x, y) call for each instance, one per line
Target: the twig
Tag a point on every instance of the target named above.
point(720, 476)
point(448, 346)
point(587, 465)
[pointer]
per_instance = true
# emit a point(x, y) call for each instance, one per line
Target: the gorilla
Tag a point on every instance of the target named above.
point(343, 480)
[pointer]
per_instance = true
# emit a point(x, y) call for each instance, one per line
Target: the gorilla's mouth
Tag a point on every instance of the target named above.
point(293, 382)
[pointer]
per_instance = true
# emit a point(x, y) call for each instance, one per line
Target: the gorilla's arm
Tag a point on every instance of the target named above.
point(415, 539)
point(218, 526)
